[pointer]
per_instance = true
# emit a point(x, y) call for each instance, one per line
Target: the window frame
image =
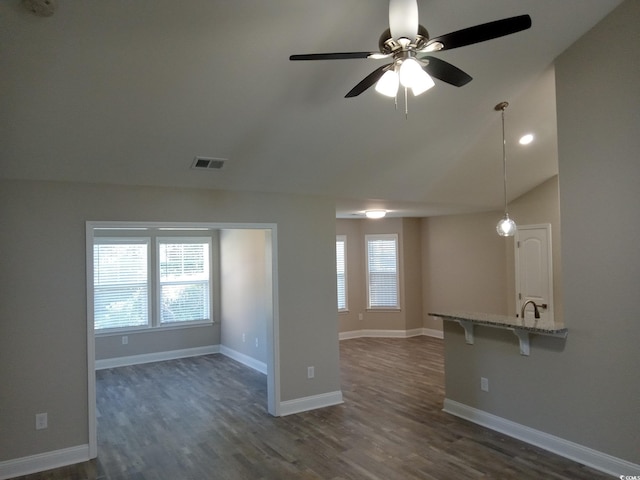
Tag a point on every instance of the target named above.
point(384, 237)
point(122, 240)
point(343, 239)
point(109, 232)
point(172, 240)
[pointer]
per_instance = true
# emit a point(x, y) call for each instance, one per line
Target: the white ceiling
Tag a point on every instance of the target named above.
point(129, 92)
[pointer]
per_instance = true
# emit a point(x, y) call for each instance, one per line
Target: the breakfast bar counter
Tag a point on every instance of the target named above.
point(521, 327)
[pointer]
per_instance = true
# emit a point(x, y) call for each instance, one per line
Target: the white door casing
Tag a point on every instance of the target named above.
point(534, 270)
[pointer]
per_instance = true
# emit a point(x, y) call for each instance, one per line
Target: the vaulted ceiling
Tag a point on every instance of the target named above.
point(129, 92)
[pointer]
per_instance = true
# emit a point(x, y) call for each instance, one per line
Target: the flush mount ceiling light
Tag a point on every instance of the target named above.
point(506, 227)
point(408, 45)
point(526, 139)
point(375, 213)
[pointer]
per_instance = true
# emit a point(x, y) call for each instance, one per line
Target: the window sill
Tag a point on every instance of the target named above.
point(163, 328)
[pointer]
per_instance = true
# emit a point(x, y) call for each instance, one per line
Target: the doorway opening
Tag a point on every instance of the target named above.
point(247, 292)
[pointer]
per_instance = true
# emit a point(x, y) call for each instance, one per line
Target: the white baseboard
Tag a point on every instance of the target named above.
point(244, 359)
point(429, 332)
point(565, 448)
point(313, 402)
point(43, 461)
point(432, 332)
point(156, 357)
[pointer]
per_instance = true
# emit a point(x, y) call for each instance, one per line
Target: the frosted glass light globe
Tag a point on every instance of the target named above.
point(410, 72)
point(506, 227)
point(388, 84)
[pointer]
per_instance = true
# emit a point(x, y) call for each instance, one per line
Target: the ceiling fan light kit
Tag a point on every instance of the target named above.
point(408, 44)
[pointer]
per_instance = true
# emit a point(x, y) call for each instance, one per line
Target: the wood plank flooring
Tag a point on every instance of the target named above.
point(205, 418)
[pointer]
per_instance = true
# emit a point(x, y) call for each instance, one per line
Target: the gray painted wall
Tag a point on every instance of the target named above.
point(245, 292)
point(586, 389)
point(599, 158)
point(539, 206)
point(466, 263)
point(154, 341)
point(43, 309)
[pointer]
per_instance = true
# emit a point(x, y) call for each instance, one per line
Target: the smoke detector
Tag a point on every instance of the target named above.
point(41, 8)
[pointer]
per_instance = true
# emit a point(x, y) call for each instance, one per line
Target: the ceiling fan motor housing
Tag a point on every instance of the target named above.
point(388, 45)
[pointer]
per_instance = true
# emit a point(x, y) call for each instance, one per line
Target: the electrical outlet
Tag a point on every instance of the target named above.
point(41, 421)
point(311, 372)
point(360, 316)
point(125, 340)
point(244, 338)
point(256, 342)
point(484, 384)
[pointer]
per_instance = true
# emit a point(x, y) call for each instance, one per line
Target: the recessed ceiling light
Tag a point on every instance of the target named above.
point(526, 139)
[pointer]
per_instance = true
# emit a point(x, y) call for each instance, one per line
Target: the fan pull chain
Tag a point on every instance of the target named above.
point(406, 104)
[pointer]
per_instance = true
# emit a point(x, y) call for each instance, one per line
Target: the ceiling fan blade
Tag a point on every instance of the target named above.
point(445, 71)
point(482, 33)
point(368, 81)
point(403, 19)
point(332, 56)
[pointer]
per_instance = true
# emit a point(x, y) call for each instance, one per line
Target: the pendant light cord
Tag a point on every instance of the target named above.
point(506, 227)
point(502, 106)
point(504, 162)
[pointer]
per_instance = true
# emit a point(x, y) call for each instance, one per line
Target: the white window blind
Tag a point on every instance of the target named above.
point(121, 283)
point(341, 268)
point(184, 279)
point(382, 271)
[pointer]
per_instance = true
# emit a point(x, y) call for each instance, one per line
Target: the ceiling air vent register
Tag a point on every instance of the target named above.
point(204, 163)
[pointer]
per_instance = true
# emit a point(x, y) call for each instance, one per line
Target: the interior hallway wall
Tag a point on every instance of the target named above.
point(43, 306)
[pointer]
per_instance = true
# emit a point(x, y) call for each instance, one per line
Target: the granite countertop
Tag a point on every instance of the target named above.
point(534, 325)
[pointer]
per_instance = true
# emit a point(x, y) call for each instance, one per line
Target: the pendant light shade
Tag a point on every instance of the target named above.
point(506, 227)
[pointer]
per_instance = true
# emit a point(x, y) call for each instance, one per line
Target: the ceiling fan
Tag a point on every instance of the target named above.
point(407, 43)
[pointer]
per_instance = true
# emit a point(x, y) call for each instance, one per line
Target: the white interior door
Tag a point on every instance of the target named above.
point(534, 272)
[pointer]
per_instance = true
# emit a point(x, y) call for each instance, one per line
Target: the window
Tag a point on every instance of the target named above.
point(184, 279)
point(382, 271)
point(138, 287)
point(341, 268)
point(121, 282)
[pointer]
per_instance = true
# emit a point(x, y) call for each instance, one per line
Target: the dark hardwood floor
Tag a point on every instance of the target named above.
point(205, 418)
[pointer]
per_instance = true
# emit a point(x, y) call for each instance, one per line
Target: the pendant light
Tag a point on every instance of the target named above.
point(506, 227)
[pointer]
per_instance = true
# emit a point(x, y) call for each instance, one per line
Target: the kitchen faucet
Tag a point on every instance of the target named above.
point(536, 312)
